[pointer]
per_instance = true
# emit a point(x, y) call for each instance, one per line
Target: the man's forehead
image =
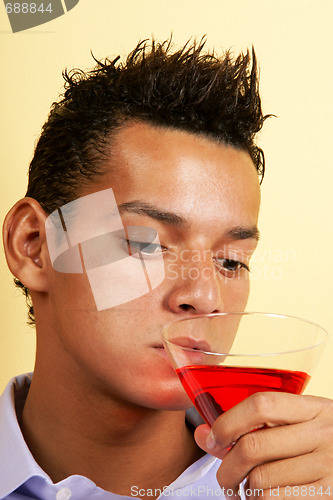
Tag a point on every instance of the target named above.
point(144, 158)
point(182, 180)
point(153, 138)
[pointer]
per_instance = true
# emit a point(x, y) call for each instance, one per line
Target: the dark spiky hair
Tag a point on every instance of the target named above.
point(188, 89)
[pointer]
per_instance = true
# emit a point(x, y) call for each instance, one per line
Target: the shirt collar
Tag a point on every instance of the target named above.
point(17, 462)
point(195, 472)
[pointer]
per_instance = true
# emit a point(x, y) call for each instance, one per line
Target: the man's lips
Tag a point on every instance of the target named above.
point(188, 343)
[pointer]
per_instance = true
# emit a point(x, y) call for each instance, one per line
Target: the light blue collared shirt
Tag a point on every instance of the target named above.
point(21, 478)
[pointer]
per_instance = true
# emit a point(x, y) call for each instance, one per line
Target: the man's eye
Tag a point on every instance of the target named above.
point(229, 267)
point(145, 249)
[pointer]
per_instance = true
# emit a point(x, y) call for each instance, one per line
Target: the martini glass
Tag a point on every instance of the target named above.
point(223, 358)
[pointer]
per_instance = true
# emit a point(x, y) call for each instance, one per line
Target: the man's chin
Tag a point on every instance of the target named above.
point(173, 402)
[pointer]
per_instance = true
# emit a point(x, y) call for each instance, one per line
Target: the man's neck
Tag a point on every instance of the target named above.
point(115, 445)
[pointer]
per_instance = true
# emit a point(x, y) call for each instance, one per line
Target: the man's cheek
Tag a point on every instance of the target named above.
point(125, 280)
point(87, 236)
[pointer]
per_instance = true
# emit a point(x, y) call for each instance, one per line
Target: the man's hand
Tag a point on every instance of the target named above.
point(292, 446)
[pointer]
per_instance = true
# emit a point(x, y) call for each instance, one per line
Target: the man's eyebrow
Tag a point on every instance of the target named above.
point(243, 233)
point(176, 220)
point(143, 208)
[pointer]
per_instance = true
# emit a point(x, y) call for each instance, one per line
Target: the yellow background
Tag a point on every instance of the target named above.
point(292, 272)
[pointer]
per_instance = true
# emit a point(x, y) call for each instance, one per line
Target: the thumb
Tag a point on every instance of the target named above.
point(203, 438)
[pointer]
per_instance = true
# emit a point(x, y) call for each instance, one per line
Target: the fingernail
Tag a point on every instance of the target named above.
point(211, 441)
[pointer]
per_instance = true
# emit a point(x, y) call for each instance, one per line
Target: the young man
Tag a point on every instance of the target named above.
point(163, 143)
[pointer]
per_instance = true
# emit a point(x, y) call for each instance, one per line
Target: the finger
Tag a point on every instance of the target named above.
point(262, 446)
point(268, 409)
point(282, 473)
point(252, 494)
point(201, 434)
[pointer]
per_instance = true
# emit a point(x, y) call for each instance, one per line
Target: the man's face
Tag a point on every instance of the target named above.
point(203, 199)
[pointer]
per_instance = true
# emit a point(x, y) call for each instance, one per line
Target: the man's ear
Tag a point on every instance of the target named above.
point(25, 244)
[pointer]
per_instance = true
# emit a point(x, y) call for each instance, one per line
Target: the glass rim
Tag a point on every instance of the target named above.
point(247, 313)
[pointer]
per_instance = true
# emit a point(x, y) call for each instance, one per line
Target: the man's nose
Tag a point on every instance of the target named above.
point(196, 288)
